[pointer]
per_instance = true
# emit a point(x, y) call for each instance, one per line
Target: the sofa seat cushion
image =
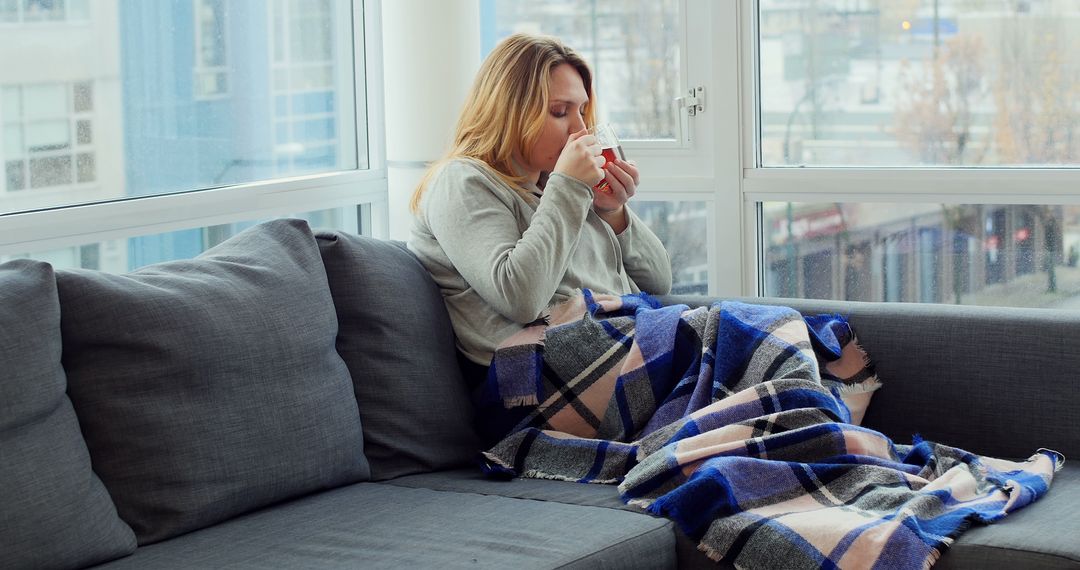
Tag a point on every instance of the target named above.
point(1040, 536)
point(397, 340)
point(470, 480)
point(54, 511)
point(210, 387)
point(376, 525)
point(1043, 535)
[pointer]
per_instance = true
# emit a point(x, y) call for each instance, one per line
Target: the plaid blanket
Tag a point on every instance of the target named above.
point(736, 421)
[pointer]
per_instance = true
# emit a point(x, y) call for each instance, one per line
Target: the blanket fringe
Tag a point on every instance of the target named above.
point(869, 385)
point(518, 401)
point(932, 559)
point(709, 551)
point(644, 504)
point(534, 474)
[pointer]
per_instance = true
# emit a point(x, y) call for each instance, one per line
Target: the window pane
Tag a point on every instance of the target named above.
point(632, 47)
point(11, 106)
point(13, 141)
point(45, 101)
point(119, 256)
point(177, 117)
point(78, 10)
point(48, 135)
point(52, 171)
point(9, 10)
point(84, 97)
point(84, 132)
point(971, 254)
point(681, 226)
point(15, 171)
point(85, 169)
point(919, 82)
point(43, 10)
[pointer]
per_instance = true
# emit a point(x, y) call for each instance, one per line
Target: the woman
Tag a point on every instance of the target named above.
point(507, 222)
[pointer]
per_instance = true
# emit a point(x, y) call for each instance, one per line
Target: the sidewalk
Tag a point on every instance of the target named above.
point(1029, 291)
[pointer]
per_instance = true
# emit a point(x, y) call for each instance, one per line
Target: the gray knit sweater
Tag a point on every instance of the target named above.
point(501, 258)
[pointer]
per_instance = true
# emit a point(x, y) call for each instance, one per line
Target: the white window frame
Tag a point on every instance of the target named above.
point(76, 225)
point(705, 166)
point(937, 185)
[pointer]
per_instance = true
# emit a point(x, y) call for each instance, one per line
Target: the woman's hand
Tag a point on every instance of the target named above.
point(622, 181)
point(581, 158)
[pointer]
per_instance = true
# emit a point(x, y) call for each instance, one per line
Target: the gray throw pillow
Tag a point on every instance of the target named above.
point(210, 387)
point(54, 511)
point(397, 339)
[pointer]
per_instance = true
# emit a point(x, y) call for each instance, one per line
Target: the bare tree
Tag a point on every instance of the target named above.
point(935, 115)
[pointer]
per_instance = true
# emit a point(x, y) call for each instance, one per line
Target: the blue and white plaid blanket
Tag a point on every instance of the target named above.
point(736, 421)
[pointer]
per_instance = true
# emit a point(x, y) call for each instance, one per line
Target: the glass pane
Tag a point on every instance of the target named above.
point(43, 10)
point(15, 172)
point(45, 101)
point(51, 171)
point(210, 27)
point(681, 226)
point(78, 10)
point(84, 132)
point(84, 97)
point(13, 141)
point(919, 82)
point(152, 119)
point(84, 166)
point(11, 105)
point(632, 47)
point(119, 256)
point(48, 135)
point(9, 10)
point(970, 254)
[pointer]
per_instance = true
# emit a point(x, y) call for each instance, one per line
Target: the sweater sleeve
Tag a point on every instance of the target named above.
point(473, 219)
point(645, 257)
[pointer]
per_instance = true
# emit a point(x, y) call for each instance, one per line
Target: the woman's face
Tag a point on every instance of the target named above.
point(564, 115)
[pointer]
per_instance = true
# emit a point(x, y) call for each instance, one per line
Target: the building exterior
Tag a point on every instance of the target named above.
point(125, 98)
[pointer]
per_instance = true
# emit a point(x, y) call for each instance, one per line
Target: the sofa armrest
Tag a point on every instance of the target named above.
point(991, 380)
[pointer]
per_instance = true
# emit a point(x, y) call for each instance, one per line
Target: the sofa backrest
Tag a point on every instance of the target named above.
point(54, 511)
point(210, 387)
point(995, 381)
point(396, 337)
point(273, 365)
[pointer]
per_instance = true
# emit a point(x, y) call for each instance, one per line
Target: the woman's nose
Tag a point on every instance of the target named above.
point(577, 124)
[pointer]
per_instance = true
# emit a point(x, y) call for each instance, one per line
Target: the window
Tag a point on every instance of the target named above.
point(918, 151)
point(632, 47)
point(925, 82)
point(682, 226)
point(973, 254)
point(48, 135)
point(644, 56)
point(211, 73)
point(192, 113)
point(123, 255)
point(305, 102)
point(14, 11)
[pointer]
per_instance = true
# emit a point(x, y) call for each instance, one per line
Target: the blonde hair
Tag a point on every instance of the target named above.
point(507, 105)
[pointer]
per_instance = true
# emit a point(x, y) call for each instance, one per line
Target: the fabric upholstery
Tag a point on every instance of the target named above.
point(1037, 536)
point(54, 511)
point(471, 480)
point(397, 340)
point(1009, 370)
point(375, 525)
point(210, 387)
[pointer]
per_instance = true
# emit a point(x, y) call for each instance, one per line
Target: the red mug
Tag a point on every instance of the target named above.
point(610, 148)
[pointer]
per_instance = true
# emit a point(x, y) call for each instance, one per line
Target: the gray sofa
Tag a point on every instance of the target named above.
point(292, 400)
